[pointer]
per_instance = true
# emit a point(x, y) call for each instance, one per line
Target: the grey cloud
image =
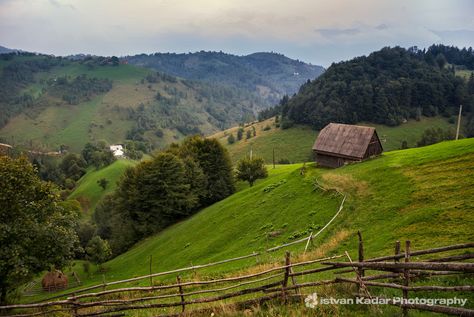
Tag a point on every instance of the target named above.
point(333, 32)
point(381, 27)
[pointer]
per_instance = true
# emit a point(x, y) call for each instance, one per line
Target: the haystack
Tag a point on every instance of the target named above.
point(54, 280)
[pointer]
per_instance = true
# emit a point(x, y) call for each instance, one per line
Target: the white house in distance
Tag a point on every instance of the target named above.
point(117, 150)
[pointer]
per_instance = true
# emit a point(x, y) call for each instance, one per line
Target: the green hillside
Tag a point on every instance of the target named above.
point(294, 144)
point(46, 102)
point(423, 194)
point(89, 193)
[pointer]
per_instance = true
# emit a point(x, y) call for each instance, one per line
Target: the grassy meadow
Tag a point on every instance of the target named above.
point(89, 193)
point(396, 196)
point(294, 144)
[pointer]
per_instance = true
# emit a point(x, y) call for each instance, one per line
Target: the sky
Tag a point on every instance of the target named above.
point(315, 31)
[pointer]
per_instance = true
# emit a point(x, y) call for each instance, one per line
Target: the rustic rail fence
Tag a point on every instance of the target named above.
point(278, 282)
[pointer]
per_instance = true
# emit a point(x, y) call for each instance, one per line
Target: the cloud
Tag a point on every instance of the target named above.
point(317, 31)
point(463, 37)
point(331, 33)
point(58, 4)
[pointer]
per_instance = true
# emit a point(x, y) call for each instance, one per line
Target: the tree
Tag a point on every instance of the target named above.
point(115, 61)
point(441, 60)
point(251, 169)
point(231, 139)
point(103, 182)
point(248, 134)
point(240, 133)
point(36, 227)
point(215, 162)
point(98, 251)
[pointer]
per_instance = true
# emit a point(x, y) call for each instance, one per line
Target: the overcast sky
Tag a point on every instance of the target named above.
point(316, 31)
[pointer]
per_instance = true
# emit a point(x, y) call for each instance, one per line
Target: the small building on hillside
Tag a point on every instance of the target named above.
point(117, 150)
point(338, 144)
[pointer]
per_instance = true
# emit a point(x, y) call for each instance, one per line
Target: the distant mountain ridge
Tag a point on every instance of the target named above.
point(6, 50)
point(270, 75)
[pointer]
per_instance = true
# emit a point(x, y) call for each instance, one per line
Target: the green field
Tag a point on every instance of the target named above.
point(294, 144)
point(89, 193)
point(423, 194)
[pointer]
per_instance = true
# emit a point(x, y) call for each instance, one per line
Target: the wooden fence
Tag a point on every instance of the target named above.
point(279, 283)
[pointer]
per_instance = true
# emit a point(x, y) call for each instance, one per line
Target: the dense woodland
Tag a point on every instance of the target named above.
point(388, 87)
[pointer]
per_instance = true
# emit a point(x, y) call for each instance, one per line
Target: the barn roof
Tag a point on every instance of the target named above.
point(344, 140)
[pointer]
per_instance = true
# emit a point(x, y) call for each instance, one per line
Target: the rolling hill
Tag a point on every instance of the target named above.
point(389, 87)
point(294, 144)
point(422, 194)
point(47, 102)
point(270, 75)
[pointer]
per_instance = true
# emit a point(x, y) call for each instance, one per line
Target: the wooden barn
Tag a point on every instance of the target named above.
point(338, 144)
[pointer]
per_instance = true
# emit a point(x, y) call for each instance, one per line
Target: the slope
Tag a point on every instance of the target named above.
point(423, 194)
point(294, 144)
point(89, 193)
point(47, 102)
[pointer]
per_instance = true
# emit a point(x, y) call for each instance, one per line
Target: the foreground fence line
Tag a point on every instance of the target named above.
point(274, 283)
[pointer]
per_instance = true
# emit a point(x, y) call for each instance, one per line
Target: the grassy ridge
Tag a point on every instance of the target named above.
point(295, 144)
point(423, 194)
point(90, 193)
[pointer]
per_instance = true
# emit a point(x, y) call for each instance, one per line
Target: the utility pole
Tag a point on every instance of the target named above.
point(459, 122)
point(250, 151)
point(273, 157)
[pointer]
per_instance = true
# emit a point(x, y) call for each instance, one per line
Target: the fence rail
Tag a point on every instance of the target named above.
point(278, 282)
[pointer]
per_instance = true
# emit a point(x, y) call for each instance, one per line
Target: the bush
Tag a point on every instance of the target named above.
point(435, 135)
point(286, 123)
point(231, 139)
point(267, 127)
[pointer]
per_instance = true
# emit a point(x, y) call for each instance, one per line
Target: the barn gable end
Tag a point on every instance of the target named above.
point(340, 143)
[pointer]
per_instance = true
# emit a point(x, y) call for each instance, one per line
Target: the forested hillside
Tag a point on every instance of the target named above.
point(387, 87)
point(268, 75)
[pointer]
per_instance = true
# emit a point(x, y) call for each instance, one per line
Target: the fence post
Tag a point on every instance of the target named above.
point(285, 278)
point(178, 279)
point(74, 307)
point(151, 277)
point(360, 270)
point(406, 276)
point(361, 254)
point(310, 240)
point(397, 250)
point(103, 282)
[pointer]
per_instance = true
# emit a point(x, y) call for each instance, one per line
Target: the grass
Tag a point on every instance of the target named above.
point(423, 194)
point(464, 73)
point(294, 144)
point(90, 193)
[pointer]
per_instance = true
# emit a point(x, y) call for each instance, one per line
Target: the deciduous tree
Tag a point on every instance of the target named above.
point(36, 228)
point(251, 169)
